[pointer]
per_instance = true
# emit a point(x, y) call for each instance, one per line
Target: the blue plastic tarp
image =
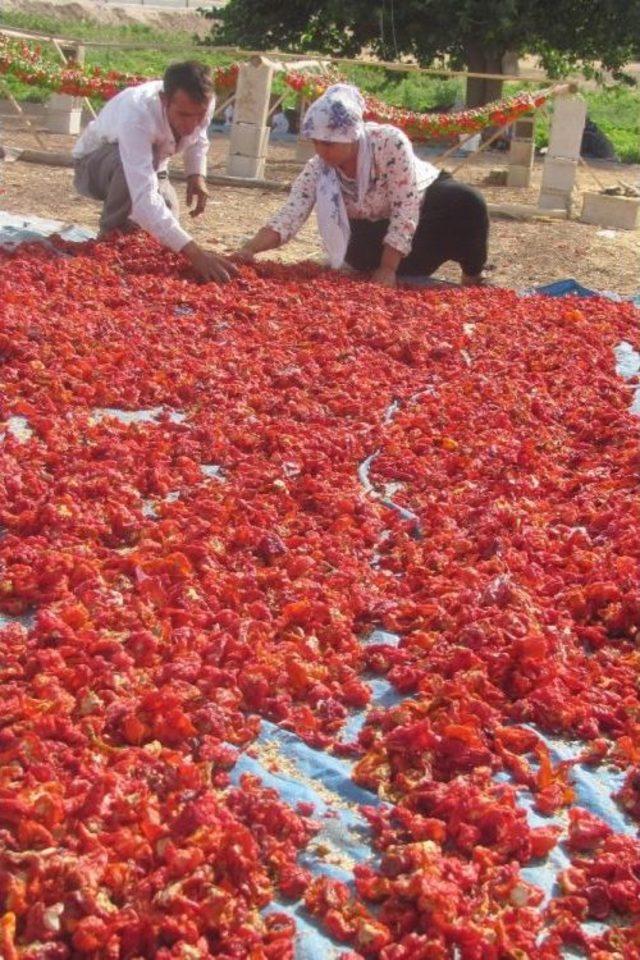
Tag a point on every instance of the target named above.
point(16, 229)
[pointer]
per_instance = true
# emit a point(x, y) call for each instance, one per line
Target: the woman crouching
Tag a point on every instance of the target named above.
point(380, 209)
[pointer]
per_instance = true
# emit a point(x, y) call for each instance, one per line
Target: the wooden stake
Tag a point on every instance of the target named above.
point(223, 106)
point(592, 172)
point(456, 146)
point(20, 112)
point(482, 147)
point(273, 109)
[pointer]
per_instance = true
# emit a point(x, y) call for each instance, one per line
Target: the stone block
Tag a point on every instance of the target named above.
point(519, 175)
point(64, 114)
point(554, 200)
point(252, 168)
point(559, 173)
point(524, 128)
point(621, 213)
point(248, 139)
point(73, 53)
point(567, 126)
point(253, 92)
point(521, 152)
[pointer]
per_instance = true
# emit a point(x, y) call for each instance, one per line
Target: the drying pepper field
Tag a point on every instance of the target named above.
point(210, 497)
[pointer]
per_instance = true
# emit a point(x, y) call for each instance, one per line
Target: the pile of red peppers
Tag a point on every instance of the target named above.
point(155, 609)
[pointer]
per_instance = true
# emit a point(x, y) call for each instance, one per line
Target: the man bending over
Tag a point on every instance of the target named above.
point(122, 156)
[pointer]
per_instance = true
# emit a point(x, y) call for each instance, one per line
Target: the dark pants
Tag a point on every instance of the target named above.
point(453, 225)
point(100, 176)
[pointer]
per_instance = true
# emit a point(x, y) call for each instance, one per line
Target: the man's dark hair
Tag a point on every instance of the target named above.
point(193, 77)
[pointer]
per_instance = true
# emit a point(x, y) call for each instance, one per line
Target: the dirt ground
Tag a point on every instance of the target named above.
point(522, 253)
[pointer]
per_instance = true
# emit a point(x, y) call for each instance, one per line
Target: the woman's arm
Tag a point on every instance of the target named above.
point(385, 275)
point(398, 163)
point(265, 239)
point(280, 228)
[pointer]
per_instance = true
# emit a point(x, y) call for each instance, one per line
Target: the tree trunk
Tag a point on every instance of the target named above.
point(480, 59)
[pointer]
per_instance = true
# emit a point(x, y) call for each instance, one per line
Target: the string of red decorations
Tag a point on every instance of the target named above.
point(426, 126)
point(27, 65)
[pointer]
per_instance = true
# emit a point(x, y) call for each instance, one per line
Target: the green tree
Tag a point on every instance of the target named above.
point(475, 34)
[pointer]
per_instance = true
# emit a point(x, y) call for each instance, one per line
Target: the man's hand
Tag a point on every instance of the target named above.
point(209, 265)
point(384, 277)
point(197, 190)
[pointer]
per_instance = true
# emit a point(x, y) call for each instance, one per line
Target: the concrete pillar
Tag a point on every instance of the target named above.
point(567, 126)
point(617, 213)
point(249, 131)
point(521, 153)
point(561, 162)
point(64, 114)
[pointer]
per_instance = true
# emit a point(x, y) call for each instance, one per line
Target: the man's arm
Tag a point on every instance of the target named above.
point(148, 208)
point(150, 211)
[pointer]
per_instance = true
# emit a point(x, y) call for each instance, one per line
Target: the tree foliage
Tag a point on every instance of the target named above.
point(471, 33)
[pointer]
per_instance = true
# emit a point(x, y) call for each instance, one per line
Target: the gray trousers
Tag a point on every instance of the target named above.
point(100, 176)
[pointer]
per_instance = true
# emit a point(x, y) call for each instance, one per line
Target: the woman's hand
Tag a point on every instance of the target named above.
point(385, 277)
point(386, 274)
point(265, 239)
point(245, 254)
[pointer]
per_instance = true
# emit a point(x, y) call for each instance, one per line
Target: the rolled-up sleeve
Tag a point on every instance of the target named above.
point(148, 208)
point(404, 195)
point(297, 209)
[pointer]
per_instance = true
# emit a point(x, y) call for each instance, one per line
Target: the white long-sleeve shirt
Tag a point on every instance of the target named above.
point(136, 120)
point(398, 183)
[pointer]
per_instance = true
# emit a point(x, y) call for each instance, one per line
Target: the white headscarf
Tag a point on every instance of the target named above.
point(337, 117)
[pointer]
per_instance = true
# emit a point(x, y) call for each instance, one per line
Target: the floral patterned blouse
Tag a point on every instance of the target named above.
point(398, 183)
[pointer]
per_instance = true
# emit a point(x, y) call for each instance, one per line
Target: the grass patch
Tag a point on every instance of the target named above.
point(617, 113)
point(150, 62)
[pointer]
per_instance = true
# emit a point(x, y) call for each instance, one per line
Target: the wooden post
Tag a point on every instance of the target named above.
point(249, 131)
point(20, 112)
point(561, 162)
